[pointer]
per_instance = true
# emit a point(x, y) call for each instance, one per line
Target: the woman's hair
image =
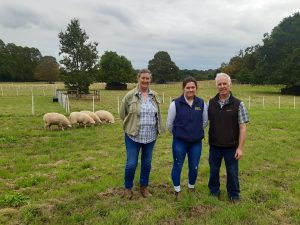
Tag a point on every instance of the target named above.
point(188, 80)
point(144, 71)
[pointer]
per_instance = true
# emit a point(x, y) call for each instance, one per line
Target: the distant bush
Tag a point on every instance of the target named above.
point(116, 86)
point(292, 90)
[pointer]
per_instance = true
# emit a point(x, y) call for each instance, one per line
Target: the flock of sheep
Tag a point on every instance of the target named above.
point(82, 118)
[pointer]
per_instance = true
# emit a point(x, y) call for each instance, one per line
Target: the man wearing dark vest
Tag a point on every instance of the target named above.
point(227, 117)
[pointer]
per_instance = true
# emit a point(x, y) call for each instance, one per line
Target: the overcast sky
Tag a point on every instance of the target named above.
point(198, 34)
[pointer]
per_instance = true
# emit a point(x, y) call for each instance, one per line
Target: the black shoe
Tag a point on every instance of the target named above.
point(215, 195)
point(234, 199)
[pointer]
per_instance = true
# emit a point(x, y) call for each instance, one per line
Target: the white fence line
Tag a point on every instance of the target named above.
point(63, 100)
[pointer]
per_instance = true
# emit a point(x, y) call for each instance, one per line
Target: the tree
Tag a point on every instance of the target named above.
point(79, 58)
point(115, 69)
point(47, 70)
point(163, 68)
point(280, 51)
point(18, 63)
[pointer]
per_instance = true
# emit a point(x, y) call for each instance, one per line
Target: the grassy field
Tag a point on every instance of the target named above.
point(76, 176)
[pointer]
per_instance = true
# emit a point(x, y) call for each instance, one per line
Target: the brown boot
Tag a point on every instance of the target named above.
point(177, 196)
point(128, 193)
point(144, 191)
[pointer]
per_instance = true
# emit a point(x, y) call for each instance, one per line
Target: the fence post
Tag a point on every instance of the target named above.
point(32, 105)
point(68, 105)
point(118, 105)
point(249, 99)
point(163, 100)
point(93, 103)
point(278, 102)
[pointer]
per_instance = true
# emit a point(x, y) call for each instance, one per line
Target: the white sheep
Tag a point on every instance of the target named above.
point(56, 119)
point(81, 119)
point(105, 116)
point(93, 115)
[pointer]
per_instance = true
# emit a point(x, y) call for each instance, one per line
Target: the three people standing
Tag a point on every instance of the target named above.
point(188, 115)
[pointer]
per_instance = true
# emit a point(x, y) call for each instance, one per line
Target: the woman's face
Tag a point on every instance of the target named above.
point(189, 90)
point(144, 81)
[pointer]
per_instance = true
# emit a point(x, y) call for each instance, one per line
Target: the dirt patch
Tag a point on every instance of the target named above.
point(178, 221)
point(89, 159)
point(112, 192)
point(60, 162)
point(198, 210)
point(8, 211)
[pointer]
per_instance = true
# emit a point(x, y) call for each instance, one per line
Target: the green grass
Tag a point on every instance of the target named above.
point(76, 176)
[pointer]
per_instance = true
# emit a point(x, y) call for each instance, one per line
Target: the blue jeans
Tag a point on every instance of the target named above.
point(132, 152)
point(216, 154)
point(182, 148)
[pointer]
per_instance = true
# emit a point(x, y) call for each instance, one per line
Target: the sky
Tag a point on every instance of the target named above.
point(197, 34)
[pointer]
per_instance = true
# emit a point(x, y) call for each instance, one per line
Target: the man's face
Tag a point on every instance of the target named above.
point(223, 86)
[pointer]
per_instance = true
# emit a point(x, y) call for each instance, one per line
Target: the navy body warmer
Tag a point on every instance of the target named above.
point(188, 123)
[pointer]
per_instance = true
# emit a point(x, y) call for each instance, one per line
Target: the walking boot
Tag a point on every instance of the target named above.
point(144, 191)
point(128, 193)
point(177, 195)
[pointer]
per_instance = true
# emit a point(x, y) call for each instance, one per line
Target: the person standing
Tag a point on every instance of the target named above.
point(227, 117)
point(187, 118)
point(142, 122)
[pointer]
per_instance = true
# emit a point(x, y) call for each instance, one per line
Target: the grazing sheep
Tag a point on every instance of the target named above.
point(105, 116)
point(93, 115)
point(56, 119)
point(81, 119)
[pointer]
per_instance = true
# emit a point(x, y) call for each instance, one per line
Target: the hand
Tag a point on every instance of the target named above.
point(238, 153)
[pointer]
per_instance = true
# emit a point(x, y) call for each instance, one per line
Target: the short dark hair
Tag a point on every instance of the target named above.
point(188, 80)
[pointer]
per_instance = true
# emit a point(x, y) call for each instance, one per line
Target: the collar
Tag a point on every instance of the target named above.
point(137, 92)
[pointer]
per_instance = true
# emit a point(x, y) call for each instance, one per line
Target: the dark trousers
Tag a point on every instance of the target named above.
point(216, 154)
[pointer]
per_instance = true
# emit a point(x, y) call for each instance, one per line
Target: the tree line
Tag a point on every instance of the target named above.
point(80, 65)
point(276, 61)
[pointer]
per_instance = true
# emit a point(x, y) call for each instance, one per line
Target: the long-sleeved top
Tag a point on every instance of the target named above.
point(172, 115)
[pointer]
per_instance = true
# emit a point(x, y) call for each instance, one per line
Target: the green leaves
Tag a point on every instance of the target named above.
point(115, 68)
point(163, 68)
point(79, 57)
point(13, 200)
point(275, 62)
point(47, 70)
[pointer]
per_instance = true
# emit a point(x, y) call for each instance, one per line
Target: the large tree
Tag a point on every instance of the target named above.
point(79, 58)
point(18, 63)
point(115, 68)
point(163, 68)
point(280, 53)
point(274, 62)
point(47, 70)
